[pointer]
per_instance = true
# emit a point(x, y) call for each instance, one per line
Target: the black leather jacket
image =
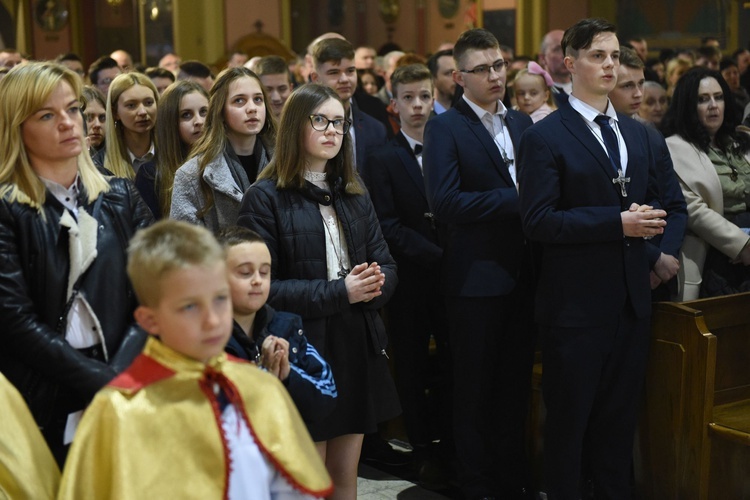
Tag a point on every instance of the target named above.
point(34, 268)
point(289, 221)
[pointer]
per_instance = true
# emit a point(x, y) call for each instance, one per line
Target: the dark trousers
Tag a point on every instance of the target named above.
point(415, 313)
point(492, 343)
point(592, 383)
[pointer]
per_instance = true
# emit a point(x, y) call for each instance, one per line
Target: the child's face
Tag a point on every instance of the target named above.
point(194, 314)
point(249, 271)
point(414, 104)
point(245, 109)
point(530, 92)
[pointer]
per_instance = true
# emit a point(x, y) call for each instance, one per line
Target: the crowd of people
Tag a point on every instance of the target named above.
point(166, 231)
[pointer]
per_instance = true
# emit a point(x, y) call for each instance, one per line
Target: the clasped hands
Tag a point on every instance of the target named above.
point(643, 221)
point(364, 282)
point(274, 356)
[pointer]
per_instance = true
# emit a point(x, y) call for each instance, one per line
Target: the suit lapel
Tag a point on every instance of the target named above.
point(410, 163)
point(484, 137)
point(578, 128)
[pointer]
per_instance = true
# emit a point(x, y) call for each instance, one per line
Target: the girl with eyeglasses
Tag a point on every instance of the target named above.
point(236, 145)
point(330, 265)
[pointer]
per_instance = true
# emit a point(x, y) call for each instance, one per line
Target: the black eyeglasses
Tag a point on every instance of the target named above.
point(484, 70)
point(321, 123)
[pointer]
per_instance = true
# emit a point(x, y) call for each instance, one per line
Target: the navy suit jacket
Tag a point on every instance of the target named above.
point(570, 205)
point(670, 199)
point(470, 190)
point(369, 134)
point(398, 194)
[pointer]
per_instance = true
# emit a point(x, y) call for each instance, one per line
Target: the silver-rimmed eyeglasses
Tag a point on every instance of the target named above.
point(484, 70)
point(321, 123)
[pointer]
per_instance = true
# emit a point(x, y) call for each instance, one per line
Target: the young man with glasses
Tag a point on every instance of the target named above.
point(470, 180)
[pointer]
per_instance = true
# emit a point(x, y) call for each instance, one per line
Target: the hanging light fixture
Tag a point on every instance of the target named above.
point(154, 11)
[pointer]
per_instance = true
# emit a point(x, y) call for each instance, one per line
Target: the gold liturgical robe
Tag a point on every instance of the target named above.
point(155, 431)
point(27, 468)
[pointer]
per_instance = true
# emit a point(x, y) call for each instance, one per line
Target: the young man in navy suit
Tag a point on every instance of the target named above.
point(333, 66)
point(470, 180)
point(584, 180)
point(416, 310)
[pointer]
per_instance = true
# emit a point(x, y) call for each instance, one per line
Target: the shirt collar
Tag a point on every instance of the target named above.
point(412, 142)
point(501, 109)
point(68, 197)
point(588, 112)
point(142, 159)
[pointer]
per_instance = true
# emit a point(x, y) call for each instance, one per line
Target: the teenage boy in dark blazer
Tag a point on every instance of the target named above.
point(469, 171)
point(416, 310)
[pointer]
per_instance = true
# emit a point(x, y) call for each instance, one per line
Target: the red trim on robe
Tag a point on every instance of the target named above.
point(143, 372)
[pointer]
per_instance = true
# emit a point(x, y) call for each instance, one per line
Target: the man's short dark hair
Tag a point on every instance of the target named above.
point(737, 53)
point(727, 62)
point(708, 51)
point(432, 62)
point(195, 69)
point(409, 74)
point(629, 57)
point(474, 39)
point(70, 56)
point(581, 34)
point(104, 62)
point(155, 72)
point(271, 65)
point(332, 50)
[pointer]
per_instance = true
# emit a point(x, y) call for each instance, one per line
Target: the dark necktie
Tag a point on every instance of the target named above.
point(417, 150)
point(610, 141)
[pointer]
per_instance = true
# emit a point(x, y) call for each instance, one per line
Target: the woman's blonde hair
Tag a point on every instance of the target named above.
point(288, 165)
point(214, 139)
point(23, 91)
point(116, 158)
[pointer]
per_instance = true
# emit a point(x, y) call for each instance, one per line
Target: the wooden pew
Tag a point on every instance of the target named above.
point(694, 435)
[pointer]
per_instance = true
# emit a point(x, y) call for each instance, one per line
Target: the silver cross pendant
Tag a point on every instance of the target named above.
point(621, 180)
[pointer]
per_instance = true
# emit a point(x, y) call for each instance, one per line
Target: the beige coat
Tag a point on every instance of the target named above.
point(706, 225)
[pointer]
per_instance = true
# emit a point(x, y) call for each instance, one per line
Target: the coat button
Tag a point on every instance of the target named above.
point(327, 198)
point(299, 332)
point(294, 350)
